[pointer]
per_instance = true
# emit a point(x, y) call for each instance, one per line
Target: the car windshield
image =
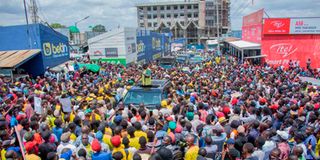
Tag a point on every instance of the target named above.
point(137, 97)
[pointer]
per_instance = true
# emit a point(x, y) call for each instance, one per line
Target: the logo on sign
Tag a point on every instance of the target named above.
point(51, 49)
point(129, 49)
point(97, 52)
point(277, 24)
point(140, 47)
point(284, 49)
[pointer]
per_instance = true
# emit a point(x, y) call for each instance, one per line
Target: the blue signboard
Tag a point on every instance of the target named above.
point(151, 45)
point(53, 45)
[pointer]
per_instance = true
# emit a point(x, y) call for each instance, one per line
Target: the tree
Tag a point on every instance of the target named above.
point(99, 28)
point(57, 25)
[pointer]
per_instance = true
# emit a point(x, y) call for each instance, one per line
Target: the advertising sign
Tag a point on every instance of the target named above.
point(305, 26)
point(111, 52)
point(253, 18)
point(252, 33)
point(156, 56)
point(252, 26)
point(120, 60)
point(55, 50)
point(98, 52)
point(298, 48)
point(156, 43)
point(140, 49)
point(276, 26)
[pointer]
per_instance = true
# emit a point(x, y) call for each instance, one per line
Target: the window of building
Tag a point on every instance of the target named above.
point(162, 15)
point(169, 23)
point(162, 8)
point(175, 15)
point(154, 16)
point(195, 15)
point(149, 16)
point(155, 24)
point(168, 7)
point(149, 9)
point(189, 7)
point(195, 7)
point(169, 15)
point(141, 16)
point(149, 24)
point(141, 24)
point(154, 8)
point(182, 7)
point(189, 15)
point(181, 14)
point(175, 7)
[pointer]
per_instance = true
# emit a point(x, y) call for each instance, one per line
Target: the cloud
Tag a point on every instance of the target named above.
point(112, 13)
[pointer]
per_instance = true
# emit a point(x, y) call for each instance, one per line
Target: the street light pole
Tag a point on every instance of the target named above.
point(75, 24)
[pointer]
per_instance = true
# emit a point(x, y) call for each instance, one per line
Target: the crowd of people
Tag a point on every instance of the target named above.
point(221, 109)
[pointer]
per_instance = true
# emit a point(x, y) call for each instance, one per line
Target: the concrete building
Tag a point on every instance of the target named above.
point(195, 20)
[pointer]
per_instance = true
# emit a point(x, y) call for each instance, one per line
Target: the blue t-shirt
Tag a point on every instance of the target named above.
point(58, 132)
point(102, 155)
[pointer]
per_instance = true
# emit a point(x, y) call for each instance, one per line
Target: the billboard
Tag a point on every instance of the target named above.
point(254, 18)
point(298, 48)
point(305, 26)
point(104, 52)
point(252, 26)
point(276, 26)
point(150, 46)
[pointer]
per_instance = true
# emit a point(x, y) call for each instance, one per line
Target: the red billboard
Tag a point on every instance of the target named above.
point(298, 48)
point(253, 18)
point(252, 26)
point(276, 26)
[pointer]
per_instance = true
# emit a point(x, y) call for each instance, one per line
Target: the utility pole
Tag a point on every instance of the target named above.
point(33, 9)
point(26, 15)
point(218, 26)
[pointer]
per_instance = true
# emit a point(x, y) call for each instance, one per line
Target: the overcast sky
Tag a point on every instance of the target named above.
point(112, 13)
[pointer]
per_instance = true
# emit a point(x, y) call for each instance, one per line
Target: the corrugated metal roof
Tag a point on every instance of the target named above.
point(14, 58)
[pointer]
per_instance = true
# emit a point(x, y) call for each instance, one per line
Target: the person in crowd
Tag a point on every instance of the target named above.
point(219, 109)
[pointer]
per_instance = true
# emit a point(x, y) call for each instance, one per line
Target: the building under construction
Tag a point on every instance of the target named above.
point(195, 20)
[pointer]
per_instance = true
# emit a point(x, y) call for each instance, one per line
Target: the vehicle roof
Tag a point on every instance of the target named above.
point(156, 84)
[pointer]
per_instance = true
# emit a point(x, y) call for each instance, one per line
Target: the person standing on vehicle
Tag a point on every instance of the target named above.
point(309, 64)
point(146, 75)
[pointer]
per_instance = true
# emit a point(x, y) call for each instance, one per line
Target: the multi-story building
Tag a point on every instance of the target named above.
point(195, 20)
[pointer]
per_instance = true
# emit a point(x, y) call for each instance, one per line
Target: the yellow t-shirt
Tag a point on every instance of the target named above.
point(106, 140)
point(73, 137)
point(89, 150)
point(134, 142)
point(192, 153)
point(32, 157)
point(97, 117)
point(3, 154)
point(139, 134)
point(317, 148)
point(123, 152)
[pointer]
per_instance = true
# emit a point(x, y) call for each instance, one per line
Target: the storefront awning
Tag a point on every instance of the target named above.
point(15, 58)
point(243, 45)
point(258, 56)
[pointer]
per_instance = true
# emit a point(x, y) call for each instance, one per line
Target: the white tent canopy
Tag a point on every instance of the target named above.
point(242, 45)
point(212, 42)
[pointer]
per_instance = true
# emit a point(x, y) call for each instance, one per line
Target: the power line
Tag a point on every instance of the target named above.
point(240, 6)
